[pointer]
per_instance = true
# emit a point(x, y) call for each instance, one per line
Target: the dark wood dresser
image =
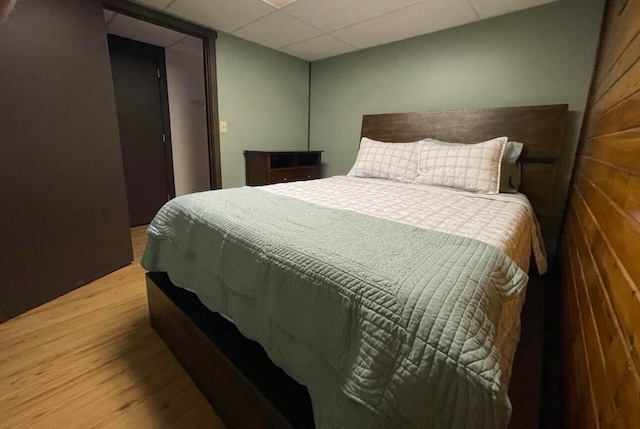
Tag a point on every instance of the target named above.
point(265, 168)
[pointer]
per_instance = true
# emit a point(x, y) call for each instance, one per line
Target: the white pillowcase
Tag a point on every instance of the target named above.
point(393, 161)
point(470, 167)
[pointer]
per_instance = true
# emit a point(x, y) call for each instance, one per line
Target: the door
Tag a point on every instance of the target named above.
point(140, 85)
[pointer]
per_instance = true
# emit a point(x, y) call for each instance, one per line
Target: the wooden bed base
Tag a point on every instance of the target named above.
point(248, 391)
point(233, 373)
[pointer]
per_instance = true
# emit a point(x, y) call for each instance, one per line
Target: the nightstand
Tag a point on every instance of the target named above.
point(264, 168)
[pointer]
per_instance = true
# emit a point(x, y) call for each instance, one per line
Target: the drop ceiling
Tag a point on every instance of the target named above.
point(318, 29)
point(135, 29)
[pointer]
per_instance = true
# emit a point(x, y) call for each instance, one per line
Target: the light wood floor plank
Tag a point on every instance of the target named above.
point(90, 359)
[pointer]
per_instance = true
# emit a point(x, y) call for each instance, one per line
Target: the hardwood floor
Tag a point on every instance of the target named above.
point(90, 359)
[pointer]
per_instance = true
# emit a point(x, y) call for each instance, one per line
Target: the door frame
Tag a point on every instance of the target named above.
point(208, 37)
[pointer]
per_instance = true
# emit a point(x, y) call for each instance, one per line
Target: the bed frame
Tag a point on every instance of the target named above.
point(235, 374)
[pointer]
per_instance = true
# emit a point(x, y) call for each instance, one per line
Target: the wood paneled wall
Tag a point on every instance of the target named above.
point(601, 240)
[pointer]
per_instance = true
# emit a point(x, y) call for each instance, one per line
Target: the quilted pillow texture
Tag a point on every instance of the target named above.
point(393, 161)
point(511, 170)
point(470, 167)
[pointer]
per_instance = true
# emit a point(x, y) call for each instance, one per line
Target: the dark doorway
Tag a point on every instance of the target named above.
point(208, 37)
point(140, 84)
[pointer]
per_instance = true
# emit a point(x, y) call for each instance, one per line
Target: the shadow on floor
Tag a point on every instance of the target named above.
point(165, 395)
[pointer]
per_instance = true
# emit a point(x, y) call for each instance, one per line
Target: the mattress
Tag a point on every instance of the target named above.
point(332, 312)
point(506, 221)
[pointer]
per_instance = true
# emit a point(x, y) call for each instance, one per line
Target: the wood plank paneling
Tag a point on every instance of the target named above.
point(621, 117)
point(623, 299)
point(618, 149)
point(600, 250)
point(620, 185)
point(626, 61)
point(616, 41)
point(624, 88)
point(622, 232)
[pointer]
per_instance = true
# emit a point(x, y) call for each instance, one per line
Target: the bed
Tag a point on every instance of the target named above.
point(395, 304)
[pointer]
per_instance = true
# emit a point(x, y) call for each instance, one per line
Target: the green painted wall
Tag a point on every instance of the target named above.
point(543, 55)
point(264, 97)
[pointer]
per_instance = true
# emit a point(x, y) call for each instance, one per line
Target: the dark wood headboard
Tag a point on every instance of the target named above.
point(540, 128)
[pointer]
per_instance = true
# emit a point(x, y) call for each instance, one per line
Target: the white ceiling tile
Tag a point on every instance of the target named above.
point(297, 28)
point(224, 15)
point(142, 31)
point(488, 8)
point(277, 30)
point(330, 15)
point(279, 3)
point(318, 48)
point(189, 45)
point(421, 18)
point(157, 4)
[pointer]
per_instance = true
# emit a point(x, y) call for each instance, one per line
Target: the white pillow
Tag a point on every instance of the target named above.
point(470, 167)
point(393, 161)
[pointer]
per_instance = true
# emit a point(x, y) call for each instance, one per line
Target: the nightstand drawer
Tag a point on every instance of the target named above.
point(284, 176)
point(308, 173)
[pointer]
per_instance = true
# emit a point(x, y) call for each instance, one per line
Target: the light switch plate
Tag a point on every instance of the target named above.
point(223, 127)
